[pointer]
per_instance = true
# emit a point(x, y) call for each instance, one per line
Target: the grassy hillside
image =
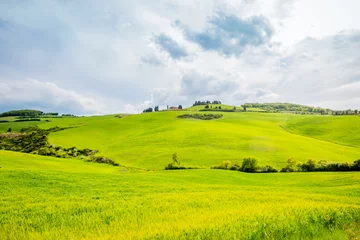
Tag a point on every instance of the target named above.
point(50, 198)
point(148, 140)
point(344, 130)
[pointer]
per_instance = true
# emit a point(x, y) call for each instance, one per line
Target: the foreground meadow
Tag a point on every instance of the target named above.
point(51, 198)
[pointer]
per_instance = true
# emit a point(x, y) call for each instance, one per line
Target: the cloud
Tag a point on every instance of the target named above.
point(126, 57)
point(170, 46)
point(196, 84)
point(152, 60)
point(45, 96)
point(229, 34)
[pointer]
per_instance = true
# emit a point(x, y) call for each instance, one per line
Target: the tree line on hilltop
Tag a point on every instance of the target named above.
point(198, 103)
point(28, 113)
point(299, 109)
point(156, 108)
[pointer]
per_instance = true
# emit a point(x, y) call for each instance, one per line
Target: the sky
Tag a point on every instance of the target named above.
point(97, 57)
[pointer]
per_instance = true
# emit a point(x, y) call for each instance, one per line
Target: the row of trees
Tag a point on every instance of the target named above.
point(248, 164)
point(156, 109)
point(319, 166)
point(27, 113)
point(22, 113)
point(251, 165)
point(297, 108)
point(198, 103)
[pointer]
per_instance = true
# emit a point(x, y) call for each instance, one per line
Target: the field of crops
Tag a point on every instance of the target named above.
point(50, 198)
point(63, 198)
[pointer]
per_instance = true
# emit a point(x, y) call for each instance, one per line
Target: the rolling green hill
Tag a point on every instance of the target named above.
point(148, 140)
point(64, 198)
point(51, 198)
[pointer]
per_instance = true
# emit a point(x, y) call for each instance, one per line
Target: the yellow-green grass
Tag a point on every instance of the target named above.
point(50, 198)
point(341, 129)
point(148, 140)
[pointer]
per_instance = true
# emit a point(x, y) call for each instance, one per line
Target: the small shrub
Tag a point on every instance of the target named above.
point(102, 159)
point(291, 166)
point(268, 169)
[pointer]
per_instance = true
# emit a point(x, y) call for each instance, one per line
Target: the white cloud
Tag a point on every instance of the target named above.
point(46, 96)
point(102, 58)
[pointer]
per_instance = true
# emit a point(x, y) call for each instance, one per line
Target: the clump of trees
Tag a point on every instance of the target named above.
point(198, 103)
point(248, 164)
point(148, 110)
point(201, 116)
point(319, 166)
point(176, 164)
point(24, 113)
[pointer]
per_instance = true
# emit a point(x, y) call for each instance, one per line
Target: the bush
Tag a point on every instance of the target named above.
point(249, 165)
point(309, 166)
point(356, 165)
point(176, 164)
point(28, 120)
point(101, 159)
point(268, 169)
point(291, 166)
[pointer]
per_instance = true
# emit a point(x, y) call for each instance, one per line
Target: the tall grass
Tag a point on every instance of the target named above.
point(50, 198)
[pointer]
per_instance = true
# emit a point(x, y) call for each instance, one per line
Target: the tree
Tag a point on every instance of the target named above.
point(207, 106)
point(156, 109)
point(244, 108)
point(291, 166)
point(219, 107)
point(249, 164)
point(9, 130)
point(309, 166)
point(180, 107)
point(234, 109)
point(175, 159)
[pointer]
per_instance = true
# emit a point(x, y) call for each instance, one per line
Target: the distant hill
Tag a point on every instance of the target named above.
point(288, 107)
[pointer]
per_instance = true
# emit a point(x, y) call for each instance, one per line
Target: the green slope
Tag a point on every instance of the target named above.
point(148, 140)
point(340, 129)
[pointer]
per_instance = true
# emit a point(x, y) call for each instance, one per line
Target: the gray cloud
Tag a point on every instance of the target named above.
point(230, 35)
point(167, 44)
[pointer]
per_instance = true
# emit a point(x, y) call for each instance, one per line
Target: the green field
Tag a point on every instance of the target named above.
point(148, 140)
point(56, 198)
point(50, 198)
